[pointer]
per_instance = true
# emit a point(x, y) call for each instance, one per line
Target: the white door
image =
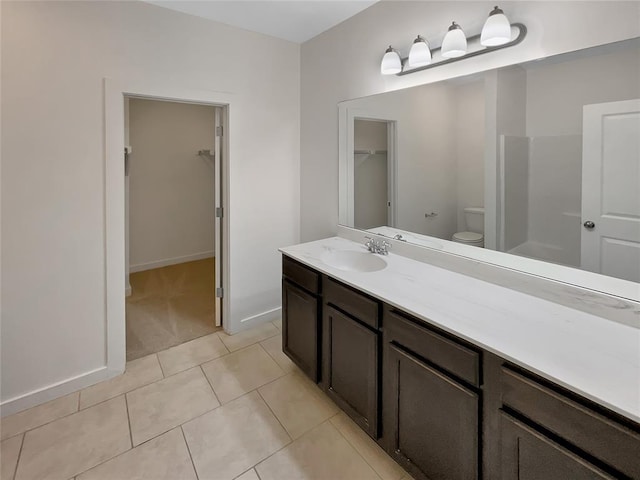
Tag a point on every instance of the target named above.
point(217, 186)
point(611, 189)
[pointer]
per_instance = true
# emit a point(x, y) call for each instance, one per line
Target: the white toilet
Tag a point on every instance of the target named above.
point(474, 220)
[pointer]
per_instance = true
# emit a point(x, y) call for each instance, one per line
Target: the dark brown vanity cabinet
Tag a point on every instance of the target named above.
point(431, 401)
point(442, 407)
point(301, 314)
point(351, 353)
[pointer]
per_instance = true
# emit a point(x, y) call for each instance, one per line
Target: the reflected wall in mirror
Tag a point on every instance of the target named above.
point(540, 160)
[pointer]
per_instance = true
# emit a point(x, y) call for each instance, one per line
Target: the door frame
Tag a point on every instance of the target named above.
point(346, 155)
point(114, 195)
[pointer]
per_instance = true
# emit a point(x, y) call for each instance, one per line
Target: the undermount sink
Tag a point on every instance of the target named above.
point(351, 261)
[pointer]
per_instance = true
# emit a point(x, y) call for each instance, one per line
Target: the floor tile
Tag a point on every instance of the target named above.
point(367, 448)
point(231, 439)
point(37, 416)
point(240, 372)
point(273, 346)
point(73, 444)
point(321, 453)
point(9, 452)
point(248, 337)
point(191, 354)
point(298, 405)
point(277, 323)
point(163, 405)
point(249, 475)
point(138, 373)
point(163, 458)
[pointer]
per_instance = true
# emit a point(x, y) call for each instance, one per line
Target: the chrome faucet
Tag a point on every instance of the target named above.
point(380, 247)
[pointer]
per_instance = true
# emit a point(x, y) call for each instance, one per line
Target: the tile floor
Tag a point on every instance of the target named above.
point(169, 306)
point(215, 408)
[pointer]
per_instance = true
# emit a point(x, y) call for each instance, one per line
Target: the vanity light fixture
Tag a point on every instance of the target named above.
point(420, 53)
point(391, 62)
point(454, 44)
point(496, 30)
point(496, 34)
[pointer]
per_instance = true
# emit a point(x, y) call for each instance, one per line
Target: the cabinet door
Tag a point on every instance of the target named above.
point(529, 455)
point(351, 368)
point(300, 328)
point(430, 421)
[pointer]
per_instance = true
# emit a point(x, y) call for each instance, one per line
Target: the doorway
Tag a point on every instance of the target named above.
point(371, 197)
point(368, 173)
point(172, 222)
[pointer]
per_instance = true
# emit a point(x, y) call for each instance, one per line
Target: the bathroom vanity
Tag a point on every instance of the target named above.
point(460, 379)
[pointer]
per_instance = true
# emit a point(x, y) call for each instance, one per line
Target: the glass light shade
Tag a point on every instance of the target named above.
point(454, 43)
point(391, 62)
point(420, 54)
point(496, 30)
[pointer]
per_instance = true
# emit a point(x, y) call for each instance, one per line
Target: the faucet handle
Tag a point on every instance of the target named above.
point(370, 243)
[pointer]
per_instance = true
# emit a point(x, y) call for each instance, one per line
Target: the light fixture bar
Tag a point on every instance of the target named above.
point(522, 32)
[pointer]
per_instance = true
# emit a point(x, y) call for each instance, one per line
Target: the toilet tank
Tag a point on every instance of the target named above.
point(474, 218)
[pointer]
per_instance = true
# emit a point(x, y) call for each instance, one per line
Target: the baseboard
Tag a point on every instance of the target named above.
point(56, 390)
point(255, 320)
point(141, 267)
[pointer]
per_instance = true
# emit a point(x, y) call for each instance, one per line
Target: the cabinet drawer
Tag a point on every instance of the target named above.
point(593, 433)
point(355, 304)
point(301, 275)
point(447, 354)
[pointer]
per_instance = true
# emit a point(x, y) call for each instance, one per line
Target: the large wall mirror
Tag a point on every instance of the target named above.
point(539, 160)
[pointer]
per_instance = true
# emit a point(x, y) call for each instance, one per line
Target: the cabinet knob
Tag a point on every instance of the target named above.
point(589, 225)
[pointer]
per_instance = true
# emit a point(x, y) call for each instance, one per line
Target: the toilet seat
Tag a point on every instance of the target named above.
point(471, 238)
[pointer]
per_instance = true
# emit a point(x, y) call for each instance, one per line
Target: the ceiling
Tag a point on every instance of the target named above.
point(293, 20)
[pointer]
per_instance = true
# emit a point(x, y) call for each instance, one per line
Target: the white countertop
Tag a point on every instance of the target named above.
point(592, 356)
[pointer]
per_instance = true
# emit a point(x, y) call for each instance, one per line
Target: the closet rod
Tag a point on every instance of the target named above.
point(369, 152)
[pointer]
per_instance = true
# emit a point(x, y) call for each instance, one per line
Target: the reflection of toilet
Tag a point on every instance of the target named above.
point(474, 220)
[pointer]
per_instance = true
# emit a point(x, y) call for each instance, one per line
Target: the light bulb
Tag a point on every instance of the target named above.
point(420, 54)
point(391, 62)
point(454, 43)
point(496, 30)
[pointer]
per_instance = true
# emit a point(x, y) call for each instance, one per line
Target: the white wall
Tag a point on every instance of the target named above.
point(171, 207)
point(470, 135)
point(369, 135)
point(510, 119)
point(555, 198)
point(565, 87)
point(514, 184)
point(54, 58)
point(359, 43)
